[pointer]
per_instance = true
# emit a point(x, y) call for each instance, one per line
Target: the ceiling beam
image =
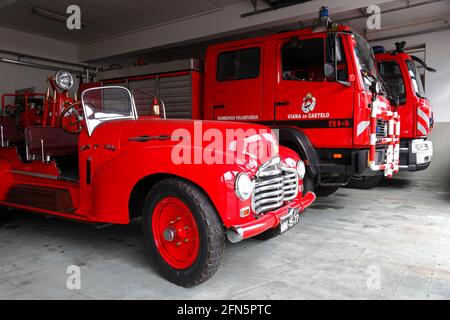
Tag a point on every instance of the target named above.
point(220, 23)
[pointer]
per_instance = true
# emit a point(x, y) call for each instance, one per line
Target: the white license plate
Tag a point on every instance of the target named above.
point(290, 220)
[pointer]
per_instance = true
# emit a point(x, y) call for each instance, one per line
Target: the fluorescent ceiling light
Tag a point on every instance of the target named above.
point(52, 15)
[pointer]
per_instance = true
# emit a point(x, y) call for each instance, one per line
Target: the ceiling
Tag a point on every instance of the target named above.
point(104, 18)
point(399, 18)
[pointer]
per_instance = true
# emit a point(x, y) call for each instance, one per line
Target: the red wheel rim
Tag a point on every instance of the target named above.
point(175, 233)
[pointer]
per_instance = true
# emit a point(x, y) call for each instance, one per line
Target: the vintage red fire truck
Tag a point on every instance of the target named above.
point(113, 157)
point(398, 70)
point(317, 86)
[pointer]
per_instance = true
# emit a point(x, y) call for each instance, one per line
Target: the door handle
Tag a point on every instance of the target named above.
point(282, 103)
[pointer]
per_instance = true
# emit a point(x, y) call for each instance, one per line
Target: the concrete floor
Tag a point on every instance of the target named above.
point(399, 231)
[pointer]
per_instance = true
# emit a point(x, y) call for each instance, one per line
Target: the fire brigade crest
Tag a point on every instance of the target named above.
point(309, 102)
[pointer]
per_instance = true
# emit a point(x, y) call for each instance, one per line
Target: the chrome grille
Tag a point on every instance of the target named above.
point(382, 129)
point(274, 185)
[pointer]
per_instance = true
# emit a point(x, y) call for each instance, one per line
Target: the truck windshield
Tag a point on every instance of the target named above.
point(392, 75)
point(415, 79)
point(105, 104)
point(365, 60)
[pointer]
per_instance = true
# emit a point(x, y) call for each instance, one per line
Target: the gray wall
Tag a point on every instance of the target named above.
point(437, 46)
point(13, 77)
point(440, 165)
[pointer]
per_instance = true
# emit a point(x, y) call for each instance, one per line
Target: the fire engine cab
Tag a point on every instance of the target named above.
point(318, 87)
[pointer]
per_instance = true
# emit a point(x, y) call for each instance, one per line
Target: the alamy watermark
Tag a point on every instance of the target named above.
point(373, 282)
point(73, 21)
point(373, 21)
point(73, 281)
point(226, 146)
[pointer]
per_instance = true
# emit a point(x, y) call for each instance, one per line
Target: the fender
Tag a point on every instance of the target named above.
point(112, 185)
point(298, 141)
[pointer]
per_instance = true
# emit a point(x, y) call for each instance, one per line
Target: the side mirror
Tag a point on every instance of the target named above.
point(394, 100)
point(373, 89)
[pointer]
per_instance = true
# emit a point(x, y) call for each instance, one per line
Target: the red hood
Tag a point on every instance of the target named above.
point(244, 144)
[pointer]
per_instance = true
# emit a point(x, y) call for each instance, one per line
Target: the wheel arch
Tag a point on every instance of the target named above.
point(297, 140)
point(145, 184)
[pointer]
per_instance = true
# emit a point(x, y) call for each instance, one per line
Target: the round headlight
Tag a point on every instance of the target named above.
point(64, 80)
point(243, 186)
point(301, 169)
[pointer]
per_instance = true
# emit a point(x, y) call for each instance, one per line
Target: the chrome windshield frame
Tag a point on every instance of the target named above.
point(89, 125)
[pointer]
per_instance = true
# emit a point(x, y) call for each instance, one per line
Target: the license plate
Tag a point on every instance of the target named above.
point(289, 220)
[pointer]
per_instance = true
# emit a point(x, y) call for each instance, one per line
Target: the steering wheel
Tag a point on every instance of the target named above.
point(72, 117)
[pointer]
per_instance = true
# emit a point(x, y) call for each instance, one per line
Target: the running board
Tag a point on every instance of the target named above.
point(47, 198)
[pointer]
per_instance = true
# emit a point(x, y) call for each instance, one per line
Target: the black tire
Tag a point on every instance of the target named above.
point(308, 183)
point(3, 213)
point(210, 230)
point(364, 182)
point(325, 191)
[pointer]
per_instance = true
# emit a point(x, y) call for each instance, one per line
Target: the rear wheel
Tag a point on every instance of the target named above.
point(183, 232)
point(365, 182)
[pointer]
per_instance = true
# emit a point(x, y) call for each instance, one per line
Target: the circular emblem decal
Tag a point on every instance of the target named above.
point(309, 103)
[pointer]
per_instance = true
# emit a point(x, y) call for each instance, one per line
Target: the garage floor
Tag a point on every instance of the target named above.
point(392, 242)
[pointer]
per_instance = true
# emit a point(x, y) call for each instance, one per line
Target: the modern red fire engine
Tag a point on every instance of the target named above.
point(398, 70)
point(318, 86)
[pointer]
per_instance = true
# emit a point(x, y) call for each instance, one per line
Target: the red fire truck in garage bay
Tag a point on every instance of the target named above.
point(113, 157)
point(402, 80)
point(398, 70)
point(317, 86)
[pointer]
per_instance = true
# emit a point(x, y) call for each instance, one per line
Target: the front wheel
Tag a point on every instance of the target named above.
point(365, 182)
point(183, 232)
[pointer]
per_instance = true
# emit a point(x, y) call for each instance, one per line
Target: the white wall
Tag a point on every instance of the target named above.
point(13, 77)
point(437, 56)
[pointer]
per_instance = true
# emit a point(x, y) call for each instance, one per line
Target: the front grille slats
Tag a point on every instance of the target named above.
point(382, 129)
point(274, 185)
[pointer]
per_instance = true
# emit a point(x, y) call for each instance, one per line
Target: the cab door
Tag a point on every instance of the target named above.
point(237, 89)
point(307, 94)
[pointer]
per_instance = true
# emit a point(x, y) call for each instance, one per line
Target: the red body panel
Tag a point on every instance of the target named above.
point(118, 164)
point(254, 100)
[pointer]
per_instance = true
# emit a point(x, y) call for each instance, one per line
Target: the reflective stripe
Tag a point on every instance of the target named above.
point(423, 115)
point(373, 139)
point(362, 126)
point(421, 129)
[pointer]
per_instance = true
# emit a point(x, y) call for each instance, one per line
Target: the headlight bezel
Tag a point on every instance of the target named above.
point(61, 78)
point(300, 167)
point(243, 180)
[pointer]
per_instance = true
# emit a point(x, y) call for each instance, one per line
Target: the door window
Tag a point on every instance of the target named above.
point(239, 64)
point(303, 60)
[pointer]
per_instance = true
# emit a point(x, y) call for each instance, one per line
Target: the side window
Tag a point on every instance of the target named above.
point(237, 65)
point(392, 75)
point(303, 60)
point(415, 78)
point(341, 65)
